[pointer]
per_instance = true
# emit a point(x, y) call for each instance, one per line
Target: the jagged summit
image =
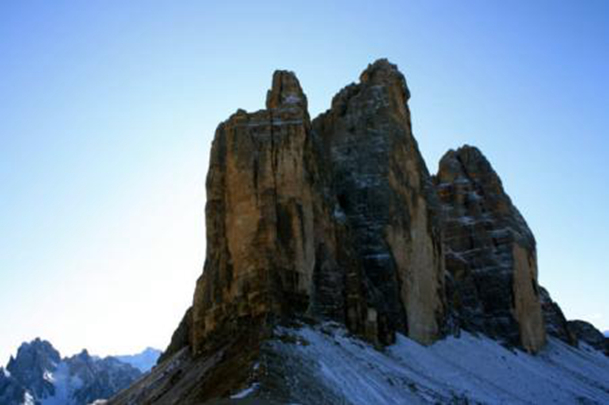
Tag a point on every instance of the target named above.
point(383, 72)
point(285, 91)
point(334, 227)
point(38, 375)
point(490, 253)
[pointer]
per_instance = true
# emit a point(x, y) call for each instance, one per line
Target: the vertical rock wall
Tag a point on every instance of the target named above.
point(260, 254)
point(386, 198)
point(490, 253)
point(339, 218)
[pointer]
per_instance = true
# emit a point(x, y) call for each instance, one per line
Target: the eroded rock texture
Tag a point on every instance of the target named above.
point(260, 243)
point(490, 253)
point(386, 199)
point(337, 219)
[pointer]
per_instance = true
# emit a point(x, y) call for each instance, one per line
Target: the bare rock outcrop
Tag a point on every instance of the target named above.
point(386, 199)
point(554, 319)
point(490, 253)
point(337, 221)
point(587, 333)
point(332, 219)
point(260, 242)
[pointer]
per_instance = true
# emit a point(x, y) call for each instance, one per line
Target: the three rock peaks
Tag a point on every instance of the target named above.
point(337, 221)
point(338, 218)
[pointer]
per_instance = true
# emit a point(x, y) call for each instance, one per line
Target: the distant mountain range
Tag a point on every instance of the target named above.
point(38, 375)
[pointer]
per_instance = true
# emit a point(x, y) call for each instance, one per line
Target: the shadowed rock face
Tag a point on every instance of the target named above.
point(38, 375)
point(385, 195)
point(587, 333)
point(554, 319)
point(490, 253)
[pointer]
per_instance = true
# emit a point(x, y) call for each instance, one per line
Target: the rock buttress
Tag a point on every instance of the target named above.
point(260, 242)
point(490, 253)
point(386, 199)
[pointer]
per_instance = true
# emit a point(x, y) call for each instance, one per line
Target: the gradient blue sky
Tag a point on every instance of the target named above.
point(108, 109)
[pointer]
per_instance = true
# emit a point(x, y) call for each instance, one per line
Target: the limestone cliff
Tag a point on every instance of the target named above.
point(337, 219)
point(386, 199)
point(260, 244)
point(490, 253)
point(336, 222)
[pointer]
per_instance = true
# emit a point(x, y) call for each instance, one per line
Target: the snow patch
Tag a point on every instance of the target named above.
point(28, 399)
point(65, 386)
point(245, 392)
point(292, 99)
point(48, 376)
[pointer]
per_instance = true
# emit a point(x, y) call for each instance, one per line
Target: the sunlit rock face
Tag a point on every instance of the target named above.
point(260, 252)
point(490, 253)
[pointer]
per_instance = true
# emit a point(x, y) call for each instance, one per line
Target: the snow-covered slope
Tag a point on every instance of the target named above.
point(324, 365)
point(143, 361)
point(455, 370)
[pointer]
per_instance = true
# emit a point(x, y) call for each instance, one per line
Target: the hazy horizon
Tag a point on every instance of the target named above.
point(108, 112)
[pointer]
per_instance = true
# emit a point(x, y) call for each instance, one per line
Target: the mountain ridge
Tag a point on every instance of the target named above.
point(38, 375)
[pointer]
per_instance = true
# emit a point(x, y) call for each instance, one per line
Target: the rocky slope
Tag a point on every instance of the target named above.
point(588, 334)
point(337, 221)
point(38, 375)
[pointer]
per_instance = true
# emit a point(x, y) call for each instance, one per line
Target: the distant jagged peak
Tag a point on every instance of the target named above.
point(38, 352)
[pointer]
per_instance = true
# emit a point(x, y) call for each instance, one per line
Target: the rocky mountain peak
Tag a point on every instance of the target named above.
point(381, 87)
point(38, 375)
point(382, 72)
point(285, 91)
point(37, 350)
point(490, 252)
point(34, 361)
point(337, 223)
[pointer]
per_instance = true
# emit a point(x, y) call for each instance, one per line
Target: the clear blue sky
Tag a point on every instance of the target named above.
point(108, 109)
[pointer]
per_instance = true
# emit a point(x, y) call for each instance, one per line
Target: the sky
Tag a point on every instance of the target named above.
point(108, 110)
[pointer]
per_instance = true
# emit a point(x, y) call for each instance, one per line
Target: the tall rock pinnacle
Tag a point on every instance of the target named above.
point(260, 253)
point(384, 190)
point(490, 252)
